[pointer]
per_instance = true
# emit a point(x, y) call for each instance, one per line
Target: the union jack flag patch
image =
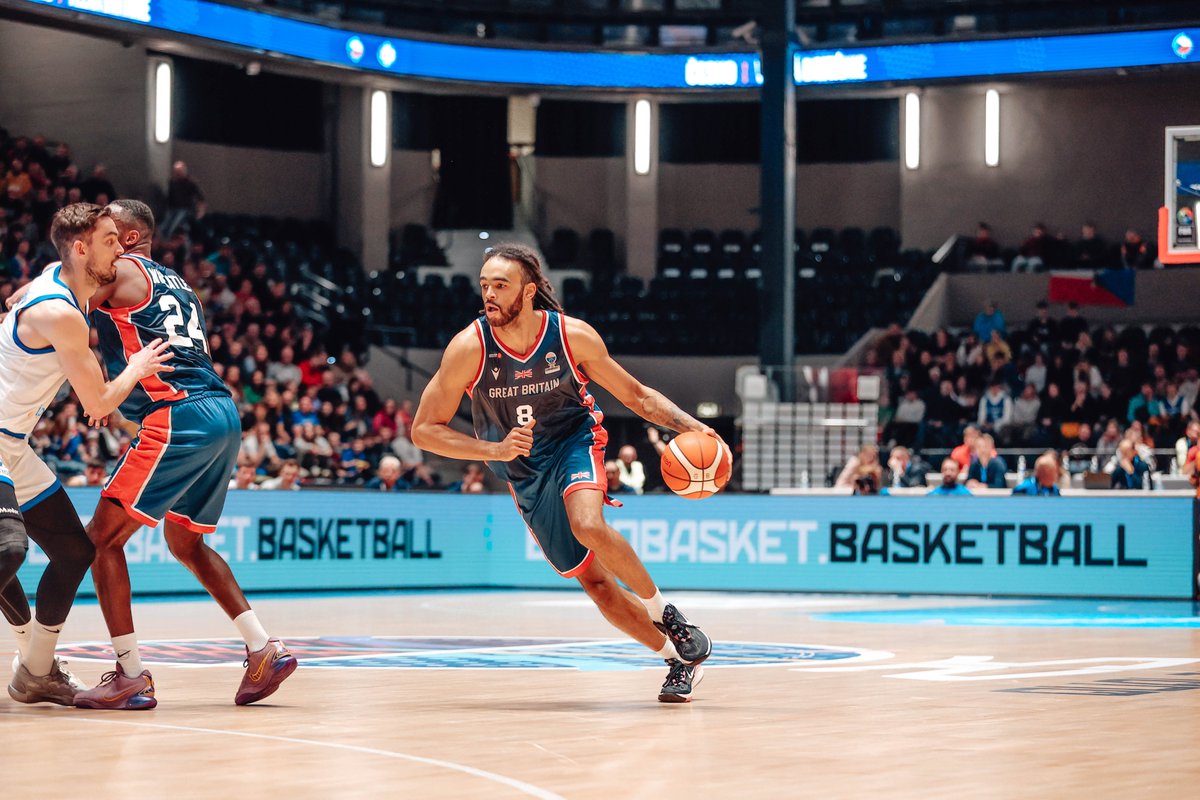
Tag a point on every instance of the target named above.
point(523, 373)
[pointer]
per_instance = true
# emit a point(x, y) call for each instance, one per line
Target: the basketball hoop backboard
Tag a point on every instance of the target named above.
point(1178, 239)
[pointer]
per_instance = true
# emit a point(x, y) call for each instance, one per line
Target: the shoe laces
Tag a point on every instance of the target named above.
point(679, 629)
point(679, 676)
point(108, 677)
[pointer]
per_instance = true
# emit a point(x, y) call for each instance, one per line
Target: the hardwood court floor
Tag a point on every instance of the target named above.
point(950, 698)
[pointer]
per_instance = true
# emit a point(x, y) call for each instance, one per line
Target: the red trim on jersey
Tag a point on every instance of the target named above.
point(562, 334)
point(482, 358)
point(137, 468)
point(154, 386)
point(536, 343)
point(186, 521)
point(149, 289)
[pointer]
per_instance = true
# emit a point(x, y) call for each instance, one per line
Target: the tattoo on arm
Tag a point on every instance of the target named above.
point(658, 409)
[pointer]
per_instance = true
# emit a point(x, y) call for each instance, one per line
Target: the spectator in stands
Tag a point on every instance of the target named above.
point(94, 474)
point(865, 463)
point(98, 185)
point(905, 470)
point(1036, 373)
point(950, 484)
point(997, 349)
point(867, 484)
point(905, 425)
point(943, 415)
point(471, 482)
point(963, 452)
point(313, 449)
point(1081, 409)
point(1144, 405)
point(1033, 253)
point(1110, 438)
point(613, 484)
point(284, 371)
point(1044, 481)
point(305, 413)
point(1025, 411)
point(1174, 410)
point(1042, 329)
point(1130, 472)
point(387, 477)
point(1189, 439)
point(246, 475)
point(983, 253)
point(1072, 324)
point(185, 201)
point(988, 320)
point(654, 436)
point(1090, 252)
point(995, 408)
point(633, 473)
point(987, 469)
point(17, 184)
point(1134, 252)
point(288, 478)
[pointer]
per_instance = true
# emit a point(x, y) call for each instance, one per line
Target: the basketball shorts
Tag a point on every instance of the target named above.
point(25, 471)
point(577, 464)
point(179, 465)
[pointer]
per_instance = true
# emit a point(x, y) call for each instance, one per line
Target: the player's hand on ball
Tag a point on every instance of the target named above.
point(724, 447)
point(518, 442)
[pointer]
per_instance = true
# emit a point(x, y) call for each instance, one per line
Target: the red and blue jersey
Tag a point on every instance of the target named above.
point(546, 385)
point(170, 311)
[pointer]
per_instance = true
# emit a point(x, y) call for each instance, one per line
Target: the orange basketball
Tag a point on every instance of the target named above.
point(695, 465)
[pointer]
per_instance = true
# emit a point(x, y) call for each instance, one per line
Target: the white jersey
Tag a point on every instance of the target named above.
point(30, 377)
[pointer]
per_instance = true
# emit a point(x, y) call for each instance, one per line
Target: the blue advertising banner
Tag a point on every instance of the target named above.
point(1072, 546)
point(274, 34)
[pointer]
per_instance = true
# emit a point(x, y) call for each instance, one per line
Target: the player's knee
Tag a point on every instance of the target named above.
point(601, 590)
point(590, 533)
point(14, 544)
point(184, 545)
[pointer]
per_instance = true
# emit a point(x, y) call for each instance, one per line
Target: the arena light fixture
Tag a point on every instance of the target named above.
point(162, 102)
point(379, 128)
point(912, 130)
point(641, 137)
point(991, 128)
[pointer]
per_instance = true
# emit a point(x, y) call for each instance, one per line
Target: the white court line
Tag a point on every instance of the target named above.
point(520, 786)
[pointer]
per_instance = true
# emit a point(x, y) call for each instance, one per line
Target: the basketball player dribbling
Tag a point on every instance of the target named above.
point(526, 367)
point(177, 468)
point(44, 341)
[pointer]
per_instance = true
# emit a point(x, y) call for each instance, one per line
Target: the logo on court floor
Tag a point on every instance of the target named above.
point(465, 652)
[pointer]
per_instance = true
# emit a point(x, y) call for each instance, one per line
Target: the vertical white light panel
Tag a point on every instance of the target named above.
point(912, 130)
point(641, 137)
point(379, 128)
point(162, 102)
point(991, 128)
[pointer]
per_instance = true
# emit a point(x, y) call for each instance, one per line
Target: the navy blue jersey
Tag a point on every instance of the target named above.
point(171, 311)
point(544, 384)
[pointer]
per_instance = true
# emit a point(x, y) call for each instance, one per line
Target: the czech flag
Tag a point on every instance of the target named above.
point(1108, 287)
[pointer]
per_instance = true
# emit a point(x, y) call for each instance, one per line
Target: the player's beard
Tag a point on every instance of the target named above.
point(504, 316)
point(97, 277)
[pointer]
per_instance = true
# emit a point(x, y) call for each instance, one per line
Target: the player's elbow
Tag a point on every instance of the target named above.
point(421, 432)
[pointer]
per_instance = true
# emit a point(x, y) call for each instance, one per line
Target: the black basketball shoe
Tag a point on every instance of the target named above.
point(691, 643)
point(681, 679)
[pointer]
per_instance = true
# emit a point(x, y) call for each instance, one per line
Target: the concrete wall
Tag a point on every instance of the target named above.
point(250, 180)
point(1070, 150)
point(89, 92)
point(581, 193)
point(413, 188)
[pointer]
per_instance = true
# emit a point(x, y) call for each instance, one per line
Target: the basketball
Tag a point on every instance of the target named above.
point(695, 465)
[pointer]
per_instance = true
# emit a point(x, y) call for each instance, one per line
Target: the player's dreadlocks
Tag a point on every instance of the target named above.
point(532, 267)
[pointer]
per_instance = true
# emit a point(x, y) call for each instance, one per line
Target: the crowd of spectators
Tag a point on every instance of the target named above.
point(310, 417)
point(1043, 250)
point(1103, 397)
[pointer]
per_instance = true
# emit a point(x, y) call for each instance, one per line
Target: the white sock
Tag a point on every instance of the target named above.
point(23, 634)
point(655, 605)
point(126, 648)
point(42, 641)
point(667, 651)
point(251, 630)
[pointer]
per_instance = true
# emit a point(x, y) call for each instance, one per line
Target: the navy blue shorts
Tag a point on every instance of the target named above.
point(577, 464)
point(179, 465)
